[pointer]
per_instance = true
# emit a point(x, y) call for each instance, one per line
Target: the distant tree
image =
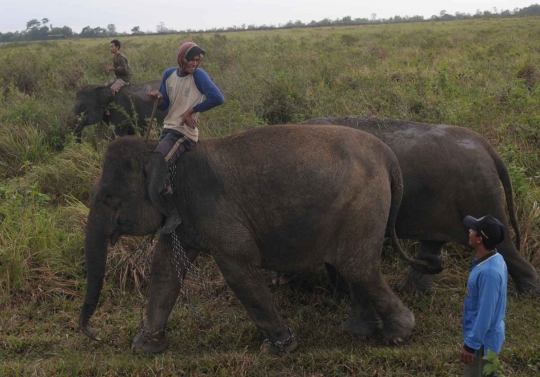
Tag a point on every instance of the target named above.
point(161, 28)
point(373, 16)
point(45, 21)
point(346, 20)
point(34, 23)
point(136, 30)
point(111, 29)
point(66, 30)
point(442, 13)
point(416, 18)
point(530, 10)
point(88, 32)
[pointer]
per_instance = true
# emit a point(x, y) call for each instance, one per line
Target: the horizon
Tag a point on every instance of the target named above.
point(13, 17)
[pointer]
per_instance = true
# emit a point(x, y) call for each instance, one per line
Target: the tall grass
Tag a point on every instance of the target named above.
point(480, 74)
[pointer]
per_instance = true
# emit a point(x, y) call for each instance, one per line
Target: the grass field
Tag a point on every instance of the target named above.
point(480, 74)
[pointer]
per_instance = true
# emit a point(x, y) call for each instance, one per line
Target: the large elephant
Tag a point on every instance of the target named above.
point(448, 172)
point(131, 106)
point(284, 198)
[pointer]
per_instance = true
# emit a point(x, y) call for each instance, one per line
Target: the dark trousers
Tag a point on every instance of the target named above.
point(476, 369)
point(171, 145)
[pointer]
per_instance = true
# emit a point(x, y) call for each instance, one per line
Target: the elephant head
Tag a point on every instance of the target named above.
point(121, 203)
point(90, 106)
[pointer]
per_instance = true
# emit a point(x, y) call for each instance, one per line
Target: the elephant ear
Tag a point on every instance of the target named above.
point(104, 95)
point(155, 170)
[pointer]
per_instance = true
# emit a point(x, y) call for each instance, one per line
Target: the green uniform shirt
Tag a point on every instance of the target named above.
point(122, 70)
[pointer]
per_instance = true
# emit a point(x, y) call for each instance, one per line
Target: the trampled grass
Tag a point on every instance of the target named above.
point(480, 74)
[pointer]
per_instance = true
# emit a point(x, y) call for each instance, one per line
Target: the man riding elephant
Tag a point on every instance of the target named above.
point(182, 91)
point(121, 68)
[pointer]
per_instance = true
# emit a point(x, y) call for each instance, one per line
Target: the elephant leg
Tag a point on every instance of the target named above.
point(162, 294)
point(340, 287)
point(416, 282)
point(364, 320)
point(282, 278)
point(523, 273)
point(249, 285)
point(368, 287)
point(78, 133)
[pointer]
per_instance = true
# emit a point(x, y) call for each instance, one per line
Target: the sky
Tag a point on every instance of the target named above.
point(208, 14)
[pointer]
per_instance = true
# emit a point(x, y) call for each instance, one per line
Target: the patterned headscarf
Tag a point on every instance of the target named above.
point(186, 53)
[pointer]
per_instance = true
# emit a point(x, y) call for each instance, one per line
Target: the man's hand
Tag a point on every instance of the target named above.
point(109, 68)
point(466, 357)
point(188, 119)
point(155, 94)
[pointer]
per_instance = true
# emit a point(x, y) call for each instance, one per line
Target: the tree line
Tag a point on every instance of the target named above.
point(43, 30)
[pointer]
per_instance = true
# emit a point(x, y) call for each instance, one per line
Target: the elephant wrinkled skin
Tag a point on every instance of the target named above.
point(92, 102)
point(448, 172)
point(284, 198)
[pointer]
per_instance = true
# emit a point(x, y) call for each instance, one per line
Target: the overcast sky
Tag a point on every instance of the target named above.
point(207, 14)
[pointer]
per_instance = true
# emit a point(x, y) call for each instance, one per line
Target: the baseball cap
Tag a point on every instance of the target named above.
point(488, 227)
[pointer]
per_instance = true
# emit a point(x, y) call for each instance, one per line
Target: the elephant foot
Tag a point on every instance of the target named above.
point(150, 342)
point(395, 330)
point(362, 328)
point(282, 278)
point(278, 347)
point(416, 283)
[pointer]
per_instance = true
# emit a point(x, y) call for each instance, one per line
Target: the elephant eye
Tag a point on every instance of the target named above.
point(111, 201)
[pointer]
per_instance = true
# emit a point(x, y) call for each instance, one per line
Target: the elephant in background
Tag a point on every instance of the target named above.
point(448, 172)
point(92, 103)
point(284, 198)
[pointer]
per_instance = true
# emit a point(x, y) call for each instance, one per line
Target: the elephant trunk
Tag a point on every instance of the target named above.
point(96, 258)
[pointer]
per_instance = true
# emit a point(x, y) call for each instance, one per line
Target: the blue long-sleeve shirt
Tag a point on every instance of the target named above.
point(485, 304)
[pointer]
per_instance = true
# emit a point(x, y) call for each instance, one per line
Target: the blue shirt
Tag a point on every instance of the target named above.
point(485, 304)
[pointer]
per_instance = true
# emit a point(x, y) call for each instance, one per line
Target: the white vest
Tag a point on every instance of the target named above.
point(183, 95)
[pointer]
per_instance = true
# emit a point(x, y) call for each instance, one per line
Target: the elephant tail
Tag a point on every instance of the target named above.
point(421, 266)
point(507, 186)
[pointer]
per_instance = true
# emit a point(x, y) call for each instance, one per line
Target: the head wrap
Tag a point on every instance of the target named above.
point(186, 53)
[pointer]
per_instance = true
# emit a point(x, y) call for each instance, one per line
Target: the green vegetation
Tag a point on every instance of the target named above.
point(481, 74)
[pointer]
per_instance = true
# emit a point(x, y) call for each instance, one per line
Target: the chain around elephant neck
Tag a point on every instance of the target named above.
point(182, 261)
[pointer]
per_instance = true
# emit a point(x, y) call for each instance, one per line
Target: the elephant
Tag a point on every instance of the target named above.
point(92, 102)
point(448, 172)
point(281, 198)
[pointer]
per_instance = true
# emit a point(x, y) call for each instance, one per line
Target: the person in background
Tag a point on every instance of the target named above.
point(121, 68)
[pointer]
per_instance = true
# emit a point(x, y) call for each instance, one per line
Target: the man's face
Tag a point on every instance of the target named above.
point(193, 64)
point(474, 239)
point(113, 48)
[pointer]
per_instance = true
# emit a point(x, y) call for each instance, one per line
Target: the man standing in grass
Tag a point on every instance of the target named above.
point(121, 68)
point(485, 297)
point(186, 91)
